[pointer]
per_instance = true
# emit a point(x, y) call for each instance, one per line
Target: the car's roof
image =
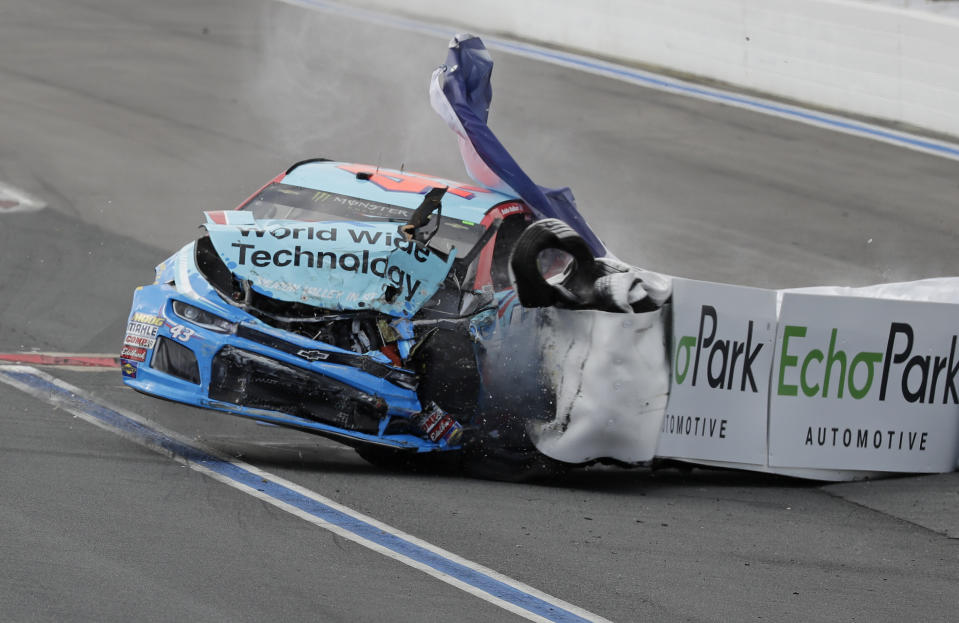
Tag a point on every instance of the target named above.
point(462, 201)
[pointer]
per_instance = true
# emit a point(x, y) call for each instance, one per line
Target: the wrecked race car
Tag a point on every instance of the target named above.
point(365, 305)
point(378, 307)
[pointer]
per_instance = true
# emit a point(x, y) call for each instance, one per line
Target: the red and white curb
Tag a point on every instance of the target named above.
point(81, 361)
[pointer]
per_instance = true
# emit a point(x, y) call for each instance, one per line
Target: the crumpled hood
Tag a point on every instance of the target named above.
point(337, 265)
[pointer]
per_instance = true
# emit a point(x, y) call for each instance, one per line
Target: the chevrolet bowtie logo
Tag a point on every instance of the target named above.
point(312, 355)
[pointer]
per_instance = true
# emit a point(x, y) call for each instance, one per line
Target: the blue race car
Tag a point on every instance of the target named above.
point(388, 310)
point(339, 300)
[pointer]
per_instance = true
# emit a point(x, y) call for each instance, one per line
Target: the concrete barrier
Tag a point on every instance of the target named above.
point(889, 62)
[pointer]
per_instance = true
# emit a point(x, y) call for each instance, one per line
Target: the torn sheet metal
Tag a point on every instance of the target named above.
point(830, 384)
point(334, 265)
point(590, 384)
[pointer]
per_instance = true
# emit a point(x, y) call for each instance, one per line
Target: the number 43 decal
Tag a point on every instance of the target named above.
point(181, 333)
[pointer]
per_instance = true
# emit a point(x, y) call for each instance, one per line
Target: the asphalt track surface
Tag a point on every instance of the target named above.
point(131, 118)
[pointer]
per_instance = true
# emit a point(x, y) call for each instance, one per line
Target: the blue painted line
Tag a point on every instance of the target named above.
point(628, 74)
point(151, 437)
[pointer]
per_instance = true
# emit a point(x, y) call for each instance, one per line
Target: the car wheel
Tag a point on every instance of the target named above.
point(501, 450)
point(531, 287)
point(508, 465)
point(388, 458)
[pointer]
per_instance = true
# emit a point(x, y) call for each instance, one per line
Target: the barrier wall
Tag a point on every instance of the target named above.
point(825, 383)
point(881, 61)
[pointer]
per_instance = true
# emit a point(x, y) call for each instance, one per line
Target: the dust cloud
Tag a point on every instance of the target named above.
point(348, 90)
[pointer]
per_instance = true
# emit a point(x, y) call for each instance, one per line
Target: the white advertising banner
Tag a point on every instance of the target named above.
point(721, 354)
point(865, 384)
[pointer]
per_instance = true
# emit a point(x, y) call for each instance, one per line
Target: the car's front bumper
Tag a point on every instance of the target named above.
point(255, 371)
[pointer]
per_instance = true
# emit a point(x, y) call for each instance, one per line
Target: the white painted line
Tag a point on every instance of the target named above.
point(473, 578)
point(13, 199)
point(651, 80)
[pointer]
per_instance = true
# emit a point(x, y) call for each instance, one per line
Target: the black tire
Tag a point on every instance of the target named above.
point(386, 458)
point(390, 459)
point(478, 460)
point(532, 289)
point(511, 465)
point(500, 449)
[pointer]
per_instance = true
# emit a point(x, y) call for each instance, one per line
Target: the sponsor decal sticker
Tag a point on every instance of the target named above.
point(139, 341)
point(181, 332)
point(432, 420)
point(513, 207)
point(334, 265)
point(439, 426)
point(360, 262)
point(128, 368)
point(147, 319)
point(441, 429)
point(143, 329)
point(134, 353)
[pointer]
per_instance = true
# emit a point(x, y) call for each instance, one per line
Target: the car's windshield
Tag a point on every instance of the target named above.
point(283, 201)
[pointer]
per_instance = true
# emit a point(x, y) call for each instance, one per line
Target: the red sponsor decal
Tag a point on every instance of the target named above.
point(135, 353)
point(139, 340)
point(513, 207)
point(431, 421)
point(437, 433)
